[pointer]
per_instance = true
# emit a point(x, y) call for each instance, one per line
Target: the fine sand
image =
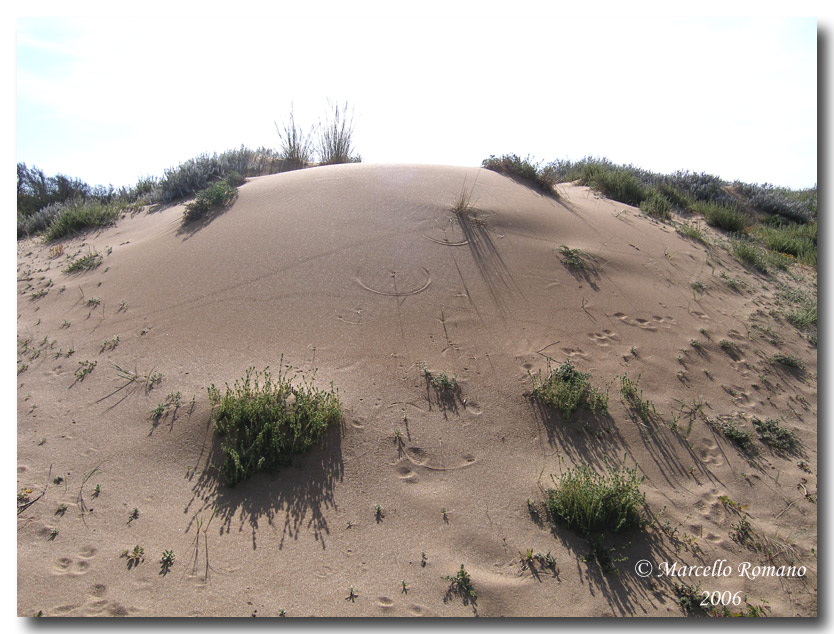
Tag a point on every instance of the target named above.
point(365, 273)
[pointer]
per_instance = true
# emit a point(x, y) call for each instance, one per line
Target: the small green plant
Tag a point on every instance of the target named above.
point(379, 512)
point(588, 502)
point(167, 560)
point(109, 344)
point(85, 263)
point(134, 515)
point(262, 424)
point(404, 585)
point(691, 231)
point(567, 389)
point(689, 597)
point(53, 533)
point(741, 531)
point(84, 368)
point(215, 196)
point(352, 595)
point(750, 253)
point(134, 558)
point(696, 344)
point(97, 491)
point(62, 508)
point(461, 583)
point(575, 258)
point(787, 360)
point(738, 435)
point(698, 286)
point(773, 435)
point(633, 396)
point(58, 480)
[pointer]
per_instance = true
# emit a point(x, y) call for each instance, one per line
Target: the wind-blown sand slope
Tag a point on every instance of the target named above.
point(364, 273)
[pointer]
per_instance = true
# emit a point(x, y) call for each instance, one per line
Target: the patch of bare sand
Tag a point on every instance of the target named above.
point(365, 273)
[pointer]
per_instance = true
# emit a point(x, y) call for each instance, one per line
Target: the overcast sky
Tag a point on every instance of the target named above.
point(110, 100)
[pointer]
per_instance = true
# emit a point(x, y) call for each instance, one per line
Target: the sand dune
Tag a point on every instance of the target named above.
point(364, 273)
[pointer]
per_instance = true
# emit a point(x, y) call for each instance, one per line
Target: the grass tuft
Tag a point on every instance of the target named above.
point(521, 169)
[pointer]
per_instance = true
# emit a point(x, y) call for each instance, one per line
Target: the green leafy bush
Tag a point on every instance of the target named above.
point(79, 216)
point(723, 216)
point(521, 169)
point(657, 205)
point(567, 389)
point(219, 194)
point(589, 502)
point(780, 438)
point(263, 421)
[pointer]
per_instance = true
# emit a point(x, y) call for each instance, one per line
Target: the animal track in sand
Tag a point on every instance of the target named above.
point(419, 610)
point(657, 321)
point(604, 338)
point(709, 452)
point(407, 474)
point(574, 353)
point(385, 603)
point(420, 458)
point(392, 283)
point(75, 567)
point(710, 507)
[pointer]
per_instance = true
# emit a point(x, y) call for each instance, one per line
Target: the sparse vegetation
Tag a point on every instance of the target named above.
point(86, 262)
point(263, 421)
point(84, 368)
point(788, 360)
point(336, 137)
point(722, 215)
point(134, 558)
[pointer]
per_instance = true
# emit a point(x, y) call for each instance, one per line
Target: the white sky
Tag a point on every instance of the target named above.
point(111, 99)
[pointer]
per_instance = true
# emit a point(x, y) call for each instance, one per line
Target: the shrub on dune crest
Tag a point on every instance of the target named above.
point(217, 195)
point(336, 138)
point(522, 169)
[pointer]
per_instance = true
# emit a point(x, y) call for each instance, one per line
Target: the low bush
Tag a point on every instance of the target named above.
point(521, 169)
point(798, 241)
point(567, 389)
point(723, 216)
point(263, 421)
point(77, 217)
point(335, 142)
point(657, 206)
point(780, 438)
point(589, 502)
point(215, 196)
point(750, 253)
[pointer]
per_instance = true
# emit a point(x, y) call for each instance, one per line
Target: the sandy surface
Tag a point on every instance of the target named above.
point(364, 273)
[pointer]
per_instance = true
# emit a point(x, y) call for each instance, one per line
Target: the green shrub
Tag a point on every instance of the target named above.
point(521, 169)
point(657, 206)
point(750, 253)
point(773, 435)
point(798, 241)
point(723, 216)
point(219, 194)
point(588, 502)
point(264, 421)
point(614, 182)
point(567, 389)
point(81, 216)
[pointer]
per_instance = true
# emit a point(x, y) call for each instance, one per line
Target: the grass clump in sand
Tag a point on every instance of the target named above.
point(657, 206)
point(217, 195)
point(567, 389)
point(521, 169)
point(86, 262)
point(74, 217)
point(264, 420)
point(336, 138)
point(723, 216)
point(589, 502)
